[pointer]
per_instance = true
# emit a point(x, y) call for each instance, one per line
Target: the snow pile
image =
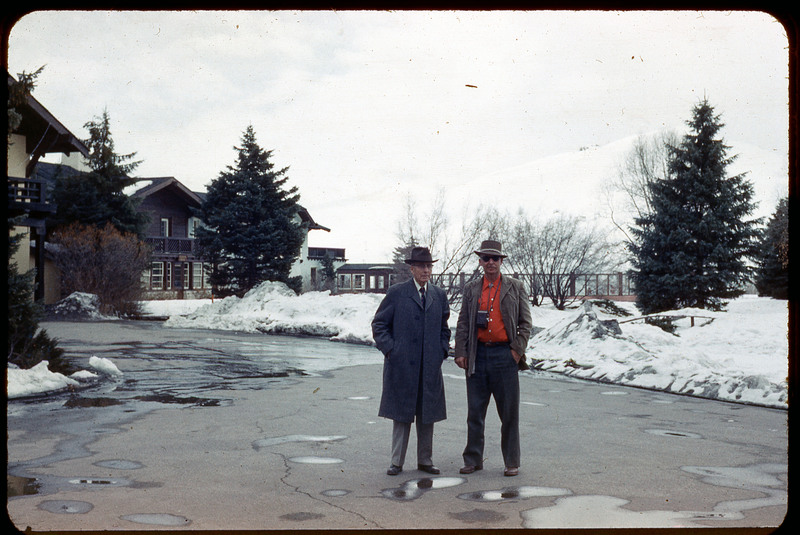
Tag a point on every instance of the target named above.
point(740, 355)
point(36, 380)
point(78, 306)
point(273, 308)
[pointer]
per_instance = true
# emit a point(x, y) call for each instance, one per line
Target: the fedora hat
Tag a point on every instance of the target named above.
point(420, 254)
point(491, 247)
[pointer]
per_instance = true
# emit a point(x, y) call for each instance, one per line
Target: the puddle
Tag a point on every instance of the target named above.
point(171, 398)
point(21, 486)
point(265, 442)
point(311, 459)
point(119, 464)
point(670, 433)
point(299, 517)
point(513, 493)
point(761, 478)
point(74, 402)
point(158, 519)
point(601, 512)
point(415, 488)
point(333, 493)
point(482, 516)
point(66, 506)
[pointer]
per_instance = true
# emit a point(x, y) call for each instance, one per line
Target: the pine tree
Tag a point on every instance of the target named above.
point(691, 249)
point(97, 197)
point(250, 233)
point(772, 273)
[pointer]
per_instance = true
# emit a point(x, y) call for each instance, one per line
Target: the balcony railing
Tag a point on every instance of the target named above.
point(170, 245)
point(28, 195)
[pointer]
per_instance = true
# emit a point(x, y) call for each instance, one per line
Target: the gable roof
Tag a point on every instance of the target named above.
point(157, 184)
point(43, 132)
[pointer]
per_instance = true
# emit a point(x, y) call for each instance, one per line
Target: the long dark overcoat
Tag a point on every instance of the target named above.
point(414, 344)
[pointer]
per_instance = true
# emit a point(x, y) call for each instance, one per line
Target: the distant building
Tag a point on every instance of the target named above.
point(365, 278)
point(177, 271)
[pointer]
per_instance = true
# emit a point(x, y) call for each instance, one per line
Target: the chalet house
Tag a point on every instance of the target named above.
point(39, 133)
point(176, 271)
point(365, 278)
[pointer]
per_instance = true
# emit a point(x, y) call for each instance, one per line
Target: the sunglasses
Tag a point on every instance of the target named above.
point(486, 258)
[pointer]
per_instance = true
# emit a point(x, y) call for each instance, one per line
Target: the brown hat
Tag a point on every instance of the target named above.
point(420, 254)
point(491, 247)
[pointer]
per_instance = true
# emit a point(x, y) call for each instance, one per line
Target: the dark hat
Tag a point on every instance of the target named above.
point(420, 254)
point(491, 247)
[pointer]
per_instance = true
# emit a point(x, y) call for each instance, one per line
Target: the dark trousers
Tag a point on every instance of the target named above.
point(496, 374)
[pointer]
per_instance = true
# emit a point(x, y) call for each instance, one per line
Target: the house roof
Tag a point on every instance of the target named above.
point(152, 185)
point(305, 217)
point(43, 132)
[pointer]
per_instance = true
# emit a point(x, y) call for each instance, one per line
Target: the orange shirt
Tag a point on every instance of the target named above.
point(496, 331)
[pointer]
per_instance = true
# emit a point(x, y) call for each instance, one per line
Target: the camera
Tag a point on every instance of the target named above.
point(482, 320)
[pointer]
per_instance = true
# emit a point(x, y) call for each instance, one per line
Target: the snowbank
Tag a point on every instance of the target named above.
point(738, 355)
point(273, 308)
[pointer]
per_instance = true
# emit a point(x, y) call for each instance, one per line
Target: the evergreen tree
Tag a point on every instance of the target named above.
point(97, 197)
point(772, 273)
point(250, 234)
point(691, 249)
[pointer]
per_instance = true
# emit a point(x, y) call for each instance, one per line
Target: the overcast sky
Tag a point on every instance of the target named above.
point(367, 107)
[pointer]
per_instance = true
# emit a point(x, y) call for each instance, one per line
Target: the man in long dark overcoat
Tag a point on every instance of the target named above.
point(410, 329)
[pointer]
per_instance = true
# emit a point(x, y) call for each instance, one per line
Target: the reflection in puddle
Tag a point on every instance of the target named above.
point(21, 486)
point(608, 511)
point(414, 488)
point(310, 459)
point(158, 519)
point(601, 512)
point(513, 493)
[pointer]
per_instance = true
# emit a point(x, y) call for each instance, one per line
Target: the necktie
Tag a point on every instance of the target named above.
point(422, 295)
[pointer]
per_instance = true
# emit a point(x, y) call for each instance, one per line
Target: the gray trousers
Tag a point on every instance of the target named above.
point(400, 435)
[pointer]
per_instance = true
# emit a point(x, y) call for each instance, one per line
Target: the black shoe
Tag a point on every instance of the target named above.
point(394, 470)
point(429, 468)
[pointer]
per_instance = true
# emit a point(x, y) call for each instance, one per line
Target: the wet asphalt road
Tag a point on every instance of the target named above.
point(213, 430)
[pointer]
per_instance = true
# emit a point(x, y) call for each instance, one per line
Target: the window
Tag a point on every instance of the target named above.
point(344, 281)
point(157, 276)
point(358, 282)
point(380, 282)
point(165, 227)
point(186, 275)
point(194, 224)
point(197, 275)
point(167, 275)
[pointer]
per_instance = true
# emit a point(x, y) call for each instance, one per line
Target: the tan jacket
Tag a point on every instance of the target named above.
point(514, 307)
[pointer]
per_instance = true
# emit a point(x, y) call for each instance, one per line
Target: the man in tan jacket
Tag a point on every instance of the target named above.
point(492, 333)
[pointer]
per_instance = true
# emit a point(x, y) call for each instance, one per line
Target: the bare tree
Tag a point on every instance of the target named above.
point(452, 246)
point(645, 163)
point(558, 250)
point(104, 262)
